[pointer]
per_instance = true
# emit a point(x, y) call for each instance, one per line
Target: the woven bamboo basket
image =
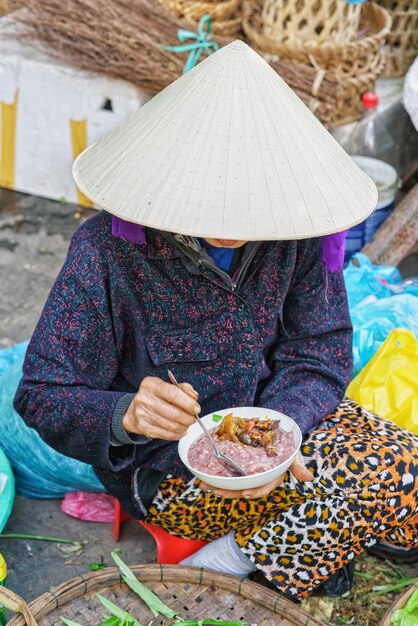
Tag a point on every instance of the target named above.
point(295, 21)
point(333, 98)
point(4, 7)
point(226, 14)
point(193, 592)
point(348, 106)
point(397, 604)
point(361, 54)
point(402, 41)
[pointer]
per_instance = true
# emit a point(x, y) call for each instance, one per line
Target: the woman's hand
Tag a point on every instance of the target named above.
point(161, 410)
point(297, 468)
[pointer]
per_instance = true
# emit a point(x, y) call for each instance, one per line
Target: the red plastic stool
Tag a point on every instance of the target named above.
point(170, 550)
point(120, 517)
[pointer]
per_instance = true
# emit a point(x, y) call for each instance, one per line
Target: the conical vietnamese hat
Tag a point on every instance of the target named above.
point(227, 151)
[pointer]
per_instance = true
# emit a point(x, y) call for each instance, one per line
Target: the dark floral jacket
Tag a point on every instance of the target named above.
point(120, 311)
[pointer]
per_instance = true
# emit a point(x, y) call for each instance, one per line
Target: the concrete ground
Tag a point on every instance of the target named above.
point(34, 236)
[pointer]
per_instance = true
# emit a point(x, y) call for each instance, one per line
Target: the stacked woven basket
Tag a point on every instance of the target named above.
point(327, 42)
point(343, 42)
point(4, 7)
point(226, 14)
point(402, 41)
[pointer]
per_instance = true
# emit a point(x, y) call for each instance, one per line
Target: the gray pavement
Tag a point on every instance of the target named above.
point(34, 567)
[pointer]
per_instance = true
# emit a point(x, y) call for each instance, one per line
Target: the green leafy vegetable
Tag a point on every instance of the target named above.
point(217, 418)
point(156, 606)
point(69, 622)
point(124, 616)
point(408, 615)
point(40, 538)
point(383, 589)
point(110, 621)
point(207, 622)
point(94, 567)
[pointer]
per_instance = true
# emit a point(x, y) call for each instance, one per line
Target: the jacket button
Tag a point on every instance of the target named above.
point(180, 353)
point(241, 306)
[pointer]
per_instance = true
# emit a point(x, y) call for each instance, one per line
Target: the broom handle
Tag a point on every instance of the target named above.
point(13, 602)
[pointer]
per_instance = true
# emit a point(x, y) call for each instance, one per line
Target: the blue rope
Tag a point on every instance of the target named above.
point(201, 41)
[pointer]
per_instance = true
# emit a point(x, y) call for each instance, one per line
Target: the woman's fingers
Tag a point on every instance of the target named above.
point(173, 395)
point(257, 492)
point(187, 388)
point(223, 493)
point(299, 471)
point(161, 411)
point(264, 490)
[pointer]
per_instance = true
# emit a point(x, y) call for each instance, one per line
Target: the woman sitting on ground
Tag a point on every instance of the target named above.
point(246, 305)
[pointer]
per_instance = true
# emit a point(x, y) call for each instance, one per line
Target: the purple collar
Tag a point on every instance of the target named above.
point(127, 230)
point(332, 245)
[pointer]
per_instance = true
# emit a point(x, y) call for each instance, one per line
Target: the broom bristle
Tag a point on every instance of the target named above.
point(123, 39)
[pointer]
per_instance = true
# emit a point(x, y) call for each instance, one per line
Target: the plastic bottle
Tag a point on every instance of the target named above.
point(374, 150)
point(371, 137)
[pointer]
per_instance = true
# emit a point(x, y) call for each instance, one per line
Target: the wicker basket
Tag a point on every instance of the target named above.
point(226, 14)
point(4, 7)
point(295, 21)
point(333, 98)
point(397, 604)
point(348, 104)
point(359, 56)
point(193, 592)
point(402, 41)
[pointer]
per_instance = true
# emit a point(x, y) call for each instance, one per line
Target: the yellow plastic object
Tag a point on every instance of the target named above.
point(3, 576)
point(388, 384)
point(3, 569)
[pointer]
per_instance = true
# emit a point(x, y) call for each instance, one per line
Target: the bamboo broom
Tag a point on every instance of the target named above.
point(123, 39)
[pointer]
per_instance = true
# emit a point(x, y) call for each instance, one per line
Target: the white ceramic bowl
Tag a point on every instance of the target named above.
point(240, 482)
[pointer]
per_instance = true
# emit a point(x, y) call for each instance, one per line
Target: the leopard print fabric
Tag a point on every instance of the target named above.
point(364, 489)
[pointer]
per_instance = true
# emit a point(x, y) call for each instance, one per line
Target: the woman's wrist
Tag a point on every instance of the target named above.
point(128, 422)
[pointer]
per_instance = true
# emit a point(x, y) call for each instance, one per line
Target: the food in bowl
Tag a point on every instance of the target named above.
point(256, 444)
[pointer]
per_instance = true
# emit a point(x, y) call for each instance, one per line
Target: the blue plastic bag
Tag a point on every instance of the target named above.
point(379, 301)
point(363, 279)
point(40, 471)
point(372, 323)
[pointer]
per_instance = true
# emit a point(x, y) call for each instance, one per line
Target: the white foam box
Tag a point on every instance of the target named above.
point(49, 112)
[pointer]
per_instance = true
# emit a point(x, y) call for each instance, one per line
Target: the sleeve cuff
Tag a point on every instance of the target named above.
point(119, 436)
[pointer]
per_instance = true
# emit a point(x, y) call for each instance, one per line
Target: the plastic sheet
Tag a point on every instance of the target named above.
point(90, 507)
point(7, 491)
point(379, 301)
point(364, 280)
point(388, 385)
point(374, 321)
point(40, 471)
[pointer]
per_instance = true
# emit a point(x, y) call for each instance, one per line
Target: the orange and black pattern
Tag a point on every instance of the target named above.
point(364, 489)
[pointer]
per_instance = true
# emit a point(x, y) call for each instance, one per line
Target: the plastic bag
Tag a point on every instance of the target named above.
point(339, 583)
point(363, 279)
point(7, 490)
point(90, 507)
point(40, 471)
point(388, 385)
point(373, 321)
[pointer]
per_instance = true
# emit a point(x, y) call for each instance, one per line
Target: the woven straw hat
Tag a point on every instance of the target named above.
point(227, 151)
